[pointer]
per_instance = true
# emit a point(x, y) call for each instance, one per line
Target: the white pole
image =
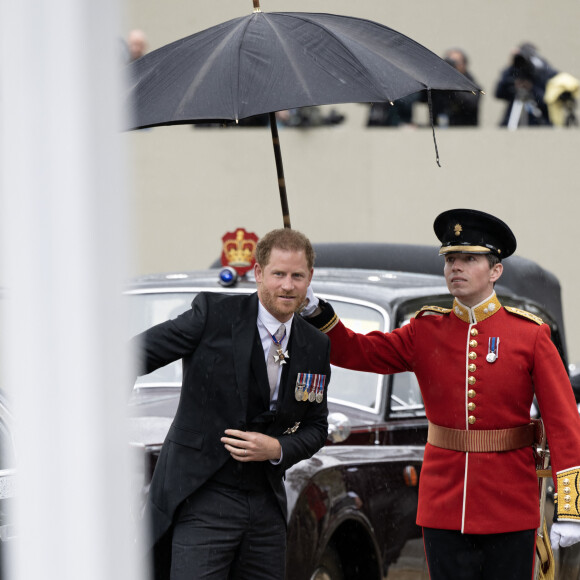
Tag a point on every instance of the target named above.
point(515, 114)
point(63, 224)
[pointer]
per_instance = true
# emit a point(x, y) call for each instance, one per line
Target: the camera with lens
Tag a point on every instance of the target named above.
point(524, 67)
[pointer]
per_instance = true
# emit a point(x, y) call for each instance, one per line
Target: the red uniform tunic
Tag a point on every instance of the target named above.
point(478, 493)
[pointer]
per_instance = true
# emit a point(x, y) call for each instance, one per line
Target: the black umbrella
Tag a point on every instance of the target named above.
point(268, 62)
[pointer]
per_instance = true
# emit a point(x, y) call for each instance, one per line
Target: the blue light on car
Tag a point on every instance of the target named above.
point(228, 276)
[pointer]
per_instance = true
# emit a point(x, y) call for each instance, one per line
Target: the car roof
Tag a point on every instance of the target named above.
point(386, 289)
point(395, 270)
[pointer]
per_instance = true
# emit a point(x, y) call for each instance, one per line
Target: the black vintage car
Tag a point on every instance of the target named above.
point(352, 506)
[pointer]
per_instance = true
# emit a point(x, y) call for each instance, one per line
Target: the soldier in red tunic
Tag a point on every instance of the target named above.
point(479, 365)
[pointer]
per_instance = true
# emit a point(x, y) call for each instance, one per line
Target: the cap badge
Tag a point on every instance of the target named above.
point(458, 229)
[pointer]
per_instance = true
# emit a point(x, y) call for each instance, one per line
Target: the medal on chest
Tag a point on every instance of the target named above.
point(310, 387)
point(280, 355)
point(492, 349)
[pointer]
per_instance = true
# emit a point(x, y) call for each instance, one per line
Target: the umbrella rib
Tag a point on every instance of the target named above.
point(239, 84)
point(363, 68)
point(204, 71)
point(294, 68)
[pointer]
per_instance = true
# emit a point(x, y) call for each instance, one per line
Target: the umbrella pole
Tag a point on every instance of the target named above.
point(280, 170)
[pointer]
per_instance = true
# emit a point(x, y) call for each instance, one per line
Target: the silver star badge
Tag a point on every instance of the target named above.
point(281, 357)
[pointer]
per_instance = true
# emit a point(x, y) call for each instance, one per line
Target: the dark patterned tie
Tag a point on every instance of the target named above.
point(271, 364)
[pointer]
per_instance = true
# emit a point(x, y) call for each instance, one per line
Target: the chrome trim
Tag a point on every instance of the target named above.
point(348, 300)
point(186, 290)
point(166, 385)
point(404, 407)
point(350, 404)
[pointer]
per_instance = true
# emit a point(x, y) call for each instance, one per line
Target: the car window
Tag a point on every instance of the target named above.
point(6, 448)
point(149, 309)
point(405, 391)
point(357, 389)
point(361, 390)
point(406, 395)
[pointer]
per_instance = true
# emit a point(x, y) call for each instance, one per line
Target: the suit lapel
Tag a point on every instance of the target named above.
point(260, 370)
point(243, 335)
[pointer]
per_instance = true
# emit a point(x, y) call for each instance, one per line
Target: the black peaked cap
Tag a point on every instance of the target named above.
point(474, 232)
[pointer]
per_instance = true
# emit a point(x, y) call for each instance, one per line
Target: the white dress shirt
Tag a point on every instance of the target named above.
point(268, 325)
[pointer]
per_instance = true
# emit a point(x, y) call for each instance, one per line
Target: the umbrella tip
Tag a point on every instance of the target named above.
point(257, 6)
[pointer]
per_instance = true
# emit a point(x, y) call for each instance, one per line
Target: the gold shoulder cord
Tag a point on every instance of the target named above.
point(524, 314)
point(436, 309)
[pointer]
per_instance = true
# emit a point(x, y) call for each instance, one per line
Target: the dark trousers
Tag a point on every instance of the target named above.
point(452, 555)
point(223, 533)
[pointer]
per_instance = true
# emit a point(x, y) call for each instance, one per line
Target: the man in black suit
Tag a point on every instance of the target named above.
point(217, 502)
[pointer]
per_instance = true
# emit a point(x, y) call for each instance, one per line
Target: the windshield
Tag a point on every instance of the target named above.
point(361, 390)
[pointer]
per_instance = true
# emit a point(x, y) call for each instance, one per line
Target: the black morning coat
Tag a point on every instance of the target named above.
point(215, 339)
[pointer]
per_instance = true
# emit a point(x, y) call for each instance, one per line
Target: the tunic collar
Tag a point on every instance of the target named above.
point(477, 313)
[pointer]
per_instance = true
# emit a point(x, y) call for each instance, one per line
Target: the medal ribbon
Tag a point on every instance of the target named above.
point(277, 342)
point(493, 348)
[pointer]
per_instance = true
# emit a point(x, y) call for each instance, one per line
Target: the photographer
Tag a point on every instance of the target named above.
point(456, 108)
point(523, 84)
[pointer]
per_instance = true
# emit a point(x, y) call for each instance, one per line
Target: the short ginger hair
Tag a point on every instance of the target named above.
point(284, 239)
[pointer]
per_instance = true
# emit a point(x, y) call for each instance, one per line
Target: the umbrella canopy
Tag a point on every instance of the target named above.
point(267, 62)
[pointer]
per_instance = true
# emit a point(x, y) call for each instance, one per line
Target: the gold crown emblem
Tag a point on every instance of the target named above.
point(239, 251)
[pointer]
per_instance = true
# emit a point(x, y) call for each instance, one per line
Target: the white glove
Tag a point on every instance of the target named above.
point(312, 303)
point(564, 534)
